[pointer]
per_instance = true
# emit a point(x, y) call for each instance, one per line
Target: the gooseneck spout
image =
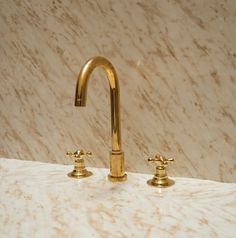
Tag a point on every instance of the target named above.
point(117, 172)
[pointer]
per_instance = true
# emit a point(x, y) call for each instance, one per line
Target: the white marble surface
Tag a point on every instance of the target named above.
point(176, 62)
point(39, 200)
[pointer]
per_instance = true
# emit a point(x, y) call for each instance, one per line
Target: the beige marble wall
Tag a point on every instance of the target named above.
point(176, 61)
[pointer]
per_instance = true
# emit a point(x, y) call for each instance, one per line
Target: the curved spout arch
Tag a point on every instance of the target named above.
point(81, 95)
point(86, 71)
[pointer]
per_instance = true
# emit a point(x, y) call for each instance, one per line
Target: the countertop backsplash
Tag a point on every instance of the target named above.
point(176, 64)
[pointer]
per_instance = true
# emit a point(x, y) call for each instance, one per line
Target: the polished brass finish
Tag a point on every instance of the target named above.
point(116, 166)
point(160, 178)
point(117, 172)
point(79, 170)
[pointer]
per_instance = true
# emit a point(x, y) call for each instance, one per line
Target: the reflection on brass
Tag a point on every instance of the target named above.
point(160, 178)
point(79, 170)
point(117, 172)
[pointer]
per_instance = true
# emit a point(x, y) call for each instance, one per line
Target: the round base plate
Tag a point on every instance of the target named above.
point(77, 175)
point(117, 179)
point(161, 183)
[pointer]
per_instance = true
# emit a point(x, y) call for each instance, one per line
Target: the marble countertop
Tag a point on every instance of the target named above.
point(39, 200)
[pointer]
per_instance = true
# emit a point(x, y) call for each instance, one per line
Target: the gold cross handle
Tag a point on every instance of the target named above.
point(79, 154)
point(161, 160)
point(160, 178)
point(79, 168)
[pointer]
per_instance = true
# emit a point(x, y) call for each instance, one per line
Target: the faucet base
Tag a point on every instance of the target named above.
point(161, 182)
point(80, 174)
point(160, 178)
point(117, 179)
point(117, 171)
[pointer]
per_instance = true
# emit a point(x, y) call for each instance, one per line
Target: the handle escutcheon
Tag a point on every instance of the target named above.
point(79, 170)
point(160, 178)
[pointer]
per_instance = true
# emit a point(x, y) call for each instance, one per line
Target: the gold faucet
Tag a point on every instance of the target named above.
point(117, 172)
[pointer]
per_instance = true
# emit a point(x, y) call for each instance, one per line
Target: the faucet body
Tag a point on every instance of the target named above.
point(117, 172)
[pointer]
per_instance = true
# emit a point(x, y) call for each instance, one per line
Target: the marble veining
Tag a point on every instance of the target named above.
point(176, 65)
point(39, 200)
